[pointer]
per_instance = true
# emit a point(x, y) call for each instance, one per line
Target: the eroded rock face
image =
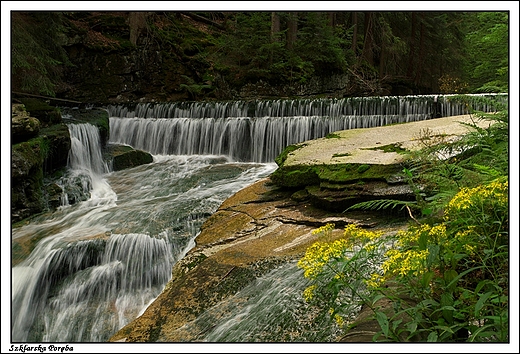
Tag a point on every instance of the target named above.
point(37, 151)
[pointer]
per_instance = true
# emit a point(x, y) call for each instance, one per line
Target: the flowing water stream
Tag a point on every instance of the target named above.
point(101, 260)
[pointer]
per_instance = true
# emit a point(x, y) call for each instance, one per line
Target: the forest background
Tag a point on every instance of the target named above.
point(208, 55)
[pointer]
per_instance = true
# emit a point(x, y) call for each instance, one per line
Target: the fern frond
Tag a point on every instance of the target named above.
point(380, 204)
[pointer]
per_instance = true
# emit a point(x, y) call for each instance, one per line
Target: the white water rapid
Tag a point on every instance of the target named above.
point(102, 260)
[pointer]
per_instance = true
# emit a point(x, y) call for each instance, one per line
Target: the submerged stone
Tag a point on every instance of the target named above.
point(126, 157)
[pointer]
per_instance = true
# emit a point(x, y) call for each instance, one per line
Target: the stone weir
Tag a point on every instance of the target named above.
point(271, 222)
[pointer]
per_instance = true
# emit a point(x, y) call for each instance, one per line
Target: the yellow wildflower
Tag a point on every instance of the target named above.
point(496, 193)
point(323, 229)
point(319, 254)
point(410, 262)
point(308, 293)
point(375, 281)
point(339, 320)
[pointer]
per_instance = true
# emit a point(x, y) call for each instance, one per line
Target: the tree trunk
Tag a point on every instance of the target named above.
point(332, 19)
point(355, 33)
point(368, 53)
point(382, 56)
point(275, 30)
point(411, 55)
point(292, 29)
point(138, 24)
point(420, 56)
point(275, 26)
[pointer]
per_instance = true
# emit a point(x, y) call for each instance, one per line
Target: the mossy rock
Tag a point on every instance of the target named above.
point(27, 179)
point(280, 159)
point(58, 143)
point(305, 175)
point(126, 157)
point(41, 110)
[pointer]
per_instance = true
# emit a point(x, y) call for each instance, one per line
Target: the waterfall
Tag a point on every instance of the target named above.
point(84, 290)
point(259, 131)
point(95, 264)
point(84, 179)
point(85, 152)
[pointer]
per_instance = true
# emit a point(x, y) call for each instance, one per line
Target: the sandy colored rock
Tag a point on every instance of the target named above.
point(362, 145)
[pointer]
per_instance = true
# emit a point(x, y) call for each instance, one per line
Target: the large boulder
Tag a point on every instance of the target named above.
point(359, 165)
point(124, 157)
point(23, 126)
point(257, 229)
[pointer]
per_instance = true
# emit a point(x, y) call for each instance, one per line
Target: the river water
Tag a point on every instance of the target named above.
point(100, 262)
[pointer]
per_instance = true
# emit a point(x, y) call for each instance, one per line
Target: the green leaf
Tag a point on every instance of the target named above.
point(481, 284)
point(382, 320)
point(426, 279)
point(462, 274)
point(450, 276)
point(396, 324)
point(407, 172)
point(427, 211)
point(423, 242)
point(432, 337)
point(481, 301)
point(377, 298)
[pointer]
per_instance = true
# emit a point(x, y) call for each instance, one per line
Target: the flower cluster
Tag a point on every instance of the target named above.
point(319, 254)
point(411, 262)
point(494, 193)
point(323, 229)
point(361, 237)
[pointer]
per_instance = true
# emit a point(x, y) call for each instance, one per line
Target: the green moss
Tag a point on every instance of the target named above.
point(97, 117)
point(347, 173)
point(306, 175)
point(42, 111)
point(342, 155)
point(295, 176)
point(34, 104)
point(280, 159)
point(130, 159)
point(389, 148)
point(362, 168)
point(332, 136)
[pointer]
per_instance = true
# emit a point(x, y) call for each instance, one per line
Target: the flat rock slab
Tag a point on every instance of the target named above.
point(364, 146)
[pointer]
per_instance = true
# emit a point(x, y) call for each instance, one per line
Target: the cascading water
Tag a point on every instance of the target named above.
point(270, 309)
point(259, 131)
point(99, 262)
point(101, 258)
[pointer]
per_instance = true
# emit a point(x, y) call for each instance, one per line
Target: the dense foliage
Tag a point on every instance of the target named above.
point(382, 52)
point(447, 273)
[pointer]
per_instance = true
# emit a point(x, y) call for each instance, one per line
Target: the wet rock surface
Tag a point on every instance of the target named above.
point(127, 157)
point(253, 231)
